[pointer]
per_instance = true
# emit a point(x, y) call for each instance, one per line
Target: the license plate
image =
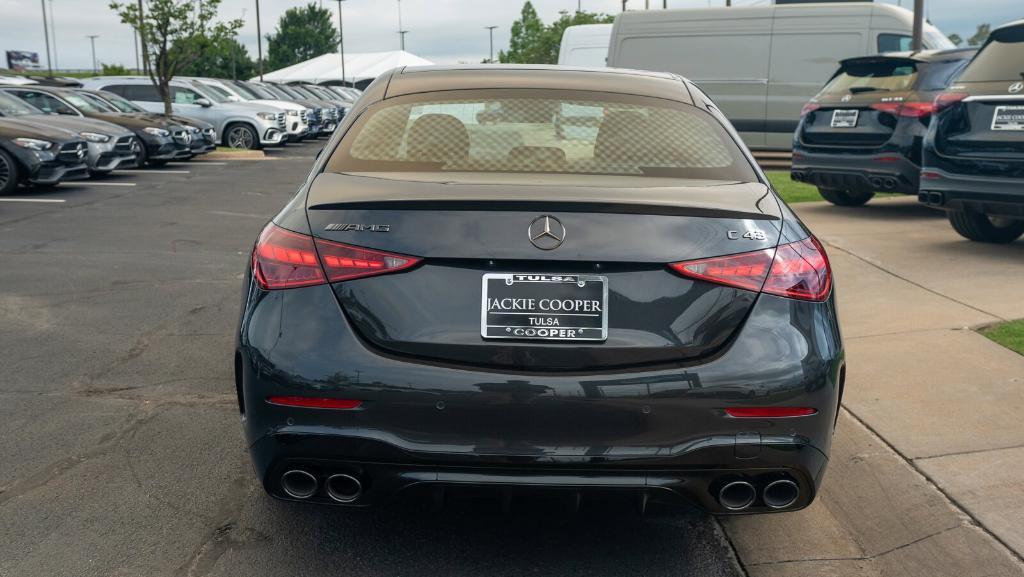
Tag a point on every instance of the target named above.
point(844, 118)
point(1008, 118)
point(548, 307)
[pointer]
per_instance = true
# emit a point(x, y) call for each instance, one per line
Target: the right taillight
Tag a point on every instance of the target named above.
point(797, 270)
point(285, 259)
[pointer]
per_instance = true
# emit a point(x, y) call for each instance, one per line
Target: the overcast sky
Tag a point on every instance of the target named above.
point(445, 31)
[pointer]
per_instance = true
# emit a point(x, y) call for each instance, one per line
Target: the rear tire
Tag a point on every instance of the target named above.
point(8, 173)
point(845, 197)
point(241, 136)
point(983, 228)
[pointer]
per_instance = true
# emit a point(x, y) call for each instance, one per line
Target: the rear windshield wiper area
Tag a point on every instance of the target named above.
point(861, 89)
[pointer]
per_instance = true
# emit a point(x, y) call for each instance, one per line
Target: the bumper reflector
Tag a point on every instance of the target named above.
point(769, 412)
point(315, 402)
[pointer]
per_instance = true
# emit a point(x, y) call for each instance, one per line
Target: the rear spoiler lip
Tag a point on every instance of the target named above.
point(547, 206)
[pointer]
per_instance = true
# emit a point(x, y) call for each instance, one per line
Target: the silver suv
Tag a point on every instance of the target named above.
point(240, 124)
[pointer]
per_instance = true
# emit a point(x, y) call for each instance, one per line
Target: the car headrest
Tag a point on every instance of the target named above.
point(437, 138)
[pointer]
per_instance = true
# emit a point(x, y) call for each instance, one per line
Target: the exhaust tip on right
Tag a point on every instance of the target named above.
point(298, 484)
point(737, 495)
point(343, 488)
point(781, 494)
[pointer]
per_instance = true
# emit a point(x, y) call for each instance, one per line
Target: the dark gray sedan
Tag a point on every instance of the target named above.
point(627, 306)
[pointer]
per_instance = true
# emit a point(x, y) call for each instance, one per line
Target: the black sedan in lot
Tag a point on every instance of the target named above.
point(31, 153)
point(162, 139)
point(862, 133)
point(973, 160)
point(446, 305)
point(109, 146)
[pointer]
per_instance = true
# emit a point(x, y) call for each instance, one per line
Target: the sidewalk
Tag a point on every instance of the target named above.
point(927, 470)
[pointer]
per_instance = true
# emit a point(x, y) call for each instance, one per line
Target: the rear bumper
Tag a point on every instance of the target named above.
point(992, 195)
point(661, 431)
point(695, 476)
point(879, 172)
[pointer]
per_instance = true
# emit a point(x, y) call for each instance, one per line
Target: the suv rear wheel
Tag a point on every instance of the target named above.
point(840, 197)
point(985, 228)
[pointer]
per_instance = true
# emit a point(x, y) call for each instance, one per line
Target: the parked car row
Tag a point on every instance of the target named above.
point(945, 125)
point(247, 114)
point(61, 132)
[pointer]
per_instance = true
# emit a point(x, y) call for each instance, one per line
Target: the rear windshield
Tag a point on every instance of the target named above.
point(881, 76)
point(531, 131)
point(1001, 59)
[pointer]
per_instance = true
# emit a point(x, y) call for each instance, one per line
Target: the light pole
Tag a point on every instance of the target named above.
point(53, 32)
point(401, 32)
point(490, 30)
point(259, 40)
point(142, 39)
point(46, 37)
point(92, 39)
point(915, 42)
point(341, 42)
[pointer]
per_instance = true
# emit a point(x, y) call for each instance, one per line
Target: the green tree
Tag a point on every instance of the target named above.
point(227, 58)
point(525, 47)
point(302, 33)
point(534, 43)
point(956, 39)
point(163, 25)
point(980, 35)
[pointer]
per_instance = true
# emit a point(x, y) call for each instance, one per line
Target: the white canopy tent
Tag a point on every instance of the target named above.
point(358, 67)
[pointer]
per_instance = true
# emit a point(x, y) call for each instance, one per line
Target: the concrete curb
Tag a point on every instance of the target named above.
point(235, 155)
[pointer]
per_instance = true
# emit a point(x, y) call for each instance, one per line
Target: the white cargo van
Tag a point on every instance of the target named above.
point(585, 45)
point(762, 64)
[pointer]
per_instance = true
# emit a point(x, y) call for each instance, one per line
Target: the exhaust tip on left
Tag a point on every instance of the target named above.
point(299, 484)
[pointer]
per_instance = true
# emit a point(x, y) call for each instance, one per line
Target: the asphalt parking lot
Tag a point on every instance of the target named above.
point(123, 453)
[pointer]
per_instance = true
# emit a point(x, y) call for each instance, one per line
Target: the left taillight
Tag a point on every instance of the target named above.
point(798, 270)
point(285, 259)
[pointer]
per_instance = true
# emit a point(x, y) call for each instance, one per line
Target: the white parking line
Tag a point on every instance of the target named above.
point(9, 199)
point(193, 162)
point(154, 172)
point(91, 183)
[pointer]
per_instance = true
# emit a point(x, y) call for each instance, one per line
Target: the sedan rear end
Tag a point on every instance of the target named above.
point(450, 304)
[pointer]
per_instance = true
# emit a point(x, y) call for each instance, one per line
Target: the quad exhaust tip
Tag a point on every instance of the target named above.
point(781, 494)
point(299, 484)
point(343, 488)
point(737, 495)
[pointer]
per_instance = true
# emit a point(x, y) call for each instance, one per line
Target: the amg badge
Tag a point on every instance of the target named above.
point(344, 227)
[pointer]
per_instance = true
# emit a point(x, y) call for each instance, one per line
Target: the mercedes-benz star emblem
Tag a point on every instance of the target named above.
point(546, 232)
point(1016, 87)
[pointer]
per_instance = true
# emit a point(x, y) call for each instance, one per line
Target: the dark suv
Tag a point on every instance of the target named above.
point(973, 154)
point(862, 133)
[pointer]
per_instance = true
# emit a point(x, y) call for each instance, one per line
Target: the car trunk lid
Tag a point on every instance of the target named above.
point(615, 234)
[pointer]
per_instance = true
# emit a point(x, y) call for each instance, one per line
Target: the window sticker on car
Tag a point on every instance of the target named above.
point(1008, 118)
point(844, 118)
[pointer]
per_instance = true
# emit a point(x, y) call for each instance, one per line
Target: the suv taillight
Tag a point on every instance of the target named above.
point(797, 270)
point(946, 99)
point(285, 259)
point(910, 109)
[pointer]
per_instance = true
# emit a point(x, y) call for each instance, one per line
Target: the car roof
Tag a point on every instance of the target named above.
point(419, 79)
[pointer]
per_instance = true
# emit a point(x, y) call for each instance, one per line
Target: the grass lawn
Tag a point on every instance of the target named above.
point(1009, 334)
point(791, 190)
